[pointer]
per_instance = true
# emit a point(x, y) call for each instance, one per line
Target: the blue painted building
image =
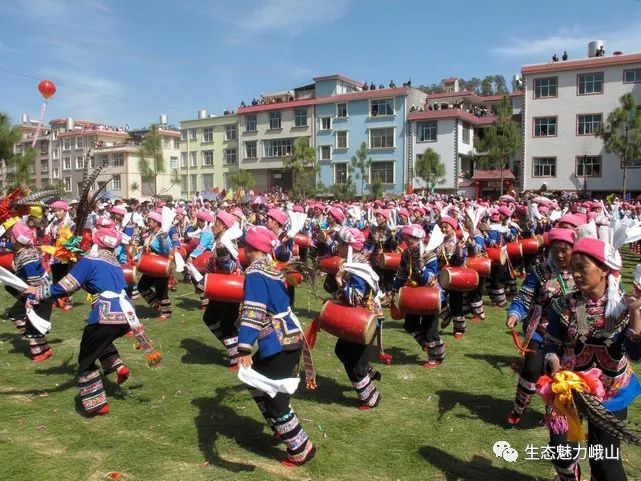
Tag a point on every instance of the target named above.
point(347, 115)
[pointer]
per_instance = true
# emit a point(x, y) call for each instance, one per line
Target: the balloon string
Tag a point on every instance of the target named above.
point(42, 118)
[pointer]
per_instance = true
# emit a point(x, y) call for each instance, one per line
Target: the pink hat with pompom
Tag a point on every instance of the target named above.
point(278, 215)
point(23, 234)
point(414, 230)
point(107, 237)
point(225, 217)
point(352, 236)
point(261, 239)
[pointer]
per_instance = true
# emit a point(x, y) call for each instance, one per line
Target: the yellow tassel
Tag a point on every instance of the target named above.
point(562, 385)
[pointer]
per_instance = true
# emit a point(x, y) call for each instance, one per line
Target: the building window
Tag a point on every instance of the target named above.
point(193, 158)
point(300, 118)
point(383, 171)
point(208, 134)
point(588, 124)
point(341, 139)
point(279, 147)
point(230, 132)
point(194, 182)
point(79, 142)
point(230, 156)
point(184, 187)
point(56, 154)
point(116, 183)
point(380, 107)
point(341, 111)
point(250, 123)
point(426, 131)
point(67, 181)
point(192, 134)
point(44, 167)
point(325, 152)
point(56, 172)
point(105, 160)
point(545, 87)
point(274, 120)
point(381, 138)
point(173, 162)
point(119, 160)
point(66, 163)
point(590, 83)
point(208, 182)
point(66, 144)
point(183, 135)
point(325, 123)
point(176, 144)
point(544, 167)
point(251, 151)
point(80, 162)
point(466, 133)
point(183, 160)
point(340, 173)
point(632, 76)
point(588, 166)
point(44, 147)
point(208, 158)
point(544, 126)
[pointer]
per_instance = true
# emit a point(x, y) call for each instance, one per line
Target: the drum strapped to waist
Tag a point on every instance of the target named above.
point(6, 260)
point(480, 264)
point(130, 272)
point(350, 323)
point(421, 300)
point(531, 245)
point(242, 257)
point(200, 262)
point(497, 255)
point(293, 278)
point(154, 265)
point(330, 265)
point(459, 279)
point(224, 287)
point(302, 240)
point(389, 260)
point(514, 250)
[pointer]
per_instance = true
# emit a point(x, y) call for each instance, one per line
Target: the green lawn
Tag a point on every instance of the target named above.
point(190, 419)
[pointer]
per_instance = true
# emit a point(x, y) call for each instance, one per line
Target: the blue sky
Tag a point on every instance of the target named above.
point(125, 62)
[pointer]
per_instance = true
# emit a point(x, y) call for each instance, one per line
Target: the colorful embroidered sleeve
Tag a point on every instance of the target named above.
point(121, 254)
point(173, 235)
point(403, 271)
point(477, 247)
point(69, 283)
point(494, 239)
point(161, 246)
point(354, 290)
point(253, 314)
point(223, 260)
point(429, 274)
point(529, 291)
point(205, 244)
point(553, 343)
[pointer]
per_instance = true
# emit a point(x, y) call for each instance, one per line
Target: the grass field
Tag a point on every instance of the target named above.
point(190, 419)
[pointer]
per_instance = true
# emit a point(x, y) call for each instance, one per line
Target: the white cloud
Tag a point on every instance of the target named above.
point(284, 18)
point(575, 41)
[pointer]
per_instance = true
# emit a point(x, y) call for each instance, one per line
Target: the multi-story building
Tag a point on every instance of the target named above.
point(564, 104)
point(268, 131)
point(208, 153)
point(41, 168)
point(347, 116)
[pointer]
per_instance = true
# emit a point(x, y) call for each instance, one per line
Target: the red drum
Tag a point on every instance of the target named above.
point(154, 265)
point(302, 240)
point(389, 260)
point(242, 257)
point(182, 250)
point(531, 245)
point(224, 287)
point(480, 264)
point(330, 265)
point(497, 255)
point(294, 279)
point(193, 242)
point(354, 324)
point(130, 272)
point(187, 248)
point(460, 279)
point(6, 260)
point(295, 251)
point(419, 300)
point(514, 250)
point(200, 262)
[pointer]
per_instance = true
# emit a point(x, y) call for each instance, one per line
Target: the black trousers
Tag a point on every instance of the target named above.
point(355, 358)
point(220, 318)
point(425, 325)
point(159, 284)
point(97, 343)
point(58, 271)
point(280, 366)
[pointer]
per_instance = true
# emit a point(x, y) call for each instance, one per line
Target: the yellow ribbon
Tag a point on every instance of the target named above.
point(562, 384)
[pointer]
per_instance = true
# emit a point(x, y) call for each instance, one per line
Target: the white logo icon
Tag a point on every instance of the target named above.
point(502, 449)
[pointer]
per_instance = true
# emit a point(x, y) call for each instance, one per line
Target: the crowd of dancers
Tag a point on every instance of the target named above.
point(429, 260)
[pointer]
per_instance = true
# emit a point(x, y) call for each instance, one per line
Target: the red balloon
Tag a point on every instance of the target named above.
point(47, 88)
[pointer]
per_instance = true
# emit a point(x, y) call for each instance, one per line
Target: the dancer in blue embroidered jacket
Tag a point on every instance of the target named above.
point(453, 253)
point(473, 301)
point(155, 290)
point(420, 268)
point(27, 265)
point(99, 274)
point(220, 317)
point(546, 281)
point(595, 326)
point(266, 317)
point(496, 237)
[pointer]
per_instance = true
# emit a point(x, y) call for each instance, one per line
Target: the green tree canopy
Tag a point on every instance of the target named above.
point(430, 168)
point(242, 179)
point(621, 134)
point(360, 166)
point(151, 161)
point(303, 167)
